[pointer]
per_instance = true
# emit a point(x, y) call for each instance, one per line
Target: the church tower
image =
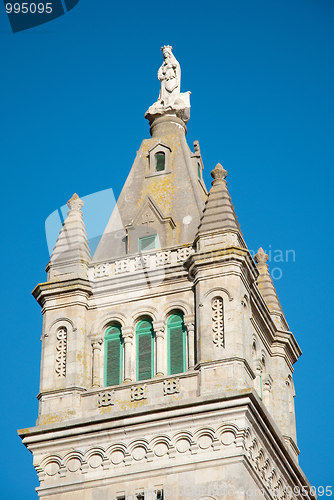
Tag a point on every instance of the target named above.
point(167, 362)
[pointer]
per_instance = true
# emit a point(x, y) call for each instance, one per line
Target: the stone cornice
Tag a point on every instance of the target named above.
point(51, 288)
point(232, 255)
point(263, 432)
point(286, 340)
point(279, 342)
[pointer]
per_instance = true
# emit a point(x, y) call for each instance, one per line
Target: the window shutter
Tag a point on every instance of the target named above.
point(113, 375)
point(145, 356)
point(176, 344)
point(176, 349)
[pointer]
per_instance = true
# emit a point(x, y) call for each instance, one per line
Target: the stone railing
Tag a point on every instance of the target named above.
point(140, 262)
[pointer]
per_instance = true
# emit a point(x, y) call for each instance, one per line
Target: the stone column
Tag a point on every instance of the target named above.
point(190, 325)
point(127, 334)
point(159, 330)
point(96, 345)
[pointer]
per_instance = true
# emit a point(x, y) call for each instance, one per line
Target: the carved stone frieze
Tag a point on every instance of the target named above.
point(218, 322)
point(138, 392)
point(162, 258)
point(171, 386)
point(266, 468)
point(138, 263)
point(122, 266)
point(163, 446)
point(102, 270)
point(61, 349)
point(106, 398)
point(160, 446)
point(183, 253)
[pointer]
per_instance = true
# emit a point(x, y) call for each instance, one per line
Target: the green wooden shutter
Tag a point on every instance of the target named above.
point(176, 344)
point(113, 356)
point(144, 350)
point(113, 363)
point(144, 356)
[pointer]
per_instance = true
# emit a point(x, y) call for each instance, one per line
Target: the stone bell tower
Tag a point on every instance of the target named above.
point(167, 362)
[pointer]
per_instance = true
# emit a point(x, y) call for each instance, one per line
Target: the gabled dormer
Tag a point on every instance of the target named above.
point(158, 160)
point(150, 229)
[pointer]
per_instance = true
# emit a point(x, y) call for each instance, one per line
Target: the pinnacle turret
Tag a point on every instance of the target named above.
point(265, 282)
point(218, 215)
point(218, 212)
point(71, 252)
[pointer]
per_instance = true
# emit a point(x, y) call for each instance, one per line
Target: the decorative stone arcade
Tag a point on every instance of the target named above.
point(167, 361)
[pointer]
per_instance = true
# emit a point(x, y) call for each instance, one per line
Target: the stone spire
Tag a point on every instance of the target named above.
point(218, 214)
point(265, 283)
point(71, 253)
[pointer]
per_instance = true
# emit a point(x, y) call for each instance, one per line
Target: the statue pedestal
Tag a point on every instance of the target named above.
point(167, 124)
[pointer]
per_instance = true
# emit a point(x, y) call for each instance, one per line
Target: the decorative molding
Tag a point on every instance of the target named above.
point(64, 323)
point(183, 253)
point(219, 289)
point(171, 386)
point(106, 398)
point(138, 392)
point(159, 328)
point(96, 344)
point(102, 270)
point(149, 260)
point(61, 349)
point(205, 439)
point(127, 334)
point(267, 383)
point(161, 446)
point(266, 469)
point(218, 322)
point(162, 258)
point(142, 262)
point(122, 266)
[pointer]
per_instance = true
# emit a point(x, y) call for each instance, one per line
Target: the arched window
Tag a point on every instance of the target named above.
point(145, 349)
point(176, 344)
point(159, 159)
point(113, 356)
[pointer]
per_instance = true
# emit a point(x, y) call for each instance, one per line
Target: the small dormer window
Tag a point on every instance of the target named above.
point(148, 243)
point(199, 170)
point(160, 161)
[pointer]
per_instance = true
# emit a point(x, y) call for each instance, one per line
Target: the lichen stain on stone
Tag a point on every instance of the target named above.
point(107, 409)
point(161, 187)
point(23, 431)
point(55, 417)
point(125, 405)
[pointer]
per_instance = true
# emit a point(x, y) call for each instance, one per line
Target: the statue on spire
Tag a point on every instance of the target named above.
point(171, 100)
point(169, 75)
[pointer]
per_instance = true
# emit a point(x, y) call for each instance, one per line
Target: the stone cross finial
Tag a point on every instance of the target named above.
point(261, 257)
point(219, 172)
point(75, 203)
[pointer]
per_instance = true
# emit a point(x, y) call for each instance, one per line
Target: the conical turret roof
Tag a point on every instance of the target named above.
point(72, 243)
point(218, 213)
point(265, 282)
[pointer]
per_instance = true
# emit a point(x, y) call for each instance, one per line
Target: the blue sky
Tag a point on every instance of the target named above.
point(74, 93)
